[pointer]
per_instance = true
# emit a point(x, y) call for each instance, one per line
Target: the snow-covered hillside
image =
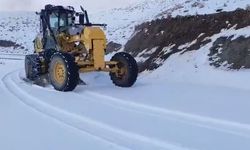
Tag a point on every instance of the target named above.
point(185, 104)
point(122, 21)
point(20, 28)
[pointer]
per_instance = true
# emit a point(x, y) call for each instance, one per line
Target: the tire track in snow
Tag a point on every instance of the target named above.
point(11, 56)
point(221, 125)
point(231, 127)
point(45, 110)
point(103, 131)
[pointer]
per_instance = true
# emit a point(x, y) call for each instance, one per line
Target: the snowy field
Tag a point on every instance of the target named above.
point(122, 21)
point(183, 105)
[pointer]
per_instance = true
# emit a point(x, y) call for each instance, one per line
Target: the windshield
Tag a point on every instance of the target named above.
point(62, 20)
point(53, 20)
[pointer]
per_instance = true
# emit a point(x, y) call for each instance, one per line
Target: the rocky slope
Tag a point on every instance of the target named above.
point(122, 21)
point(155, 41)
point(17, 31)
point(231, 52)
point(153, 30)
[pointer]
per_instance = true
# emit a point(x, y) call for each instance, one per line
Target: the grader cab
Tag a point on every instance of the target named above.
point(68, 44)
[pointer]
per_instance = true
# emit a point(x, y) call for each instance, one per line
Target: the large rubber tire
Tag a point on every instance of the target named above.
point(32, 67)
point(127, 62)
point(70, 78)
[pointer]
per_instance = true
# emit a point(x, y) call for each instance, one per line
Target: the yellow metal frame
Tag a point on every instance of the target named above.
point(94, 40)
point(94, 43)
point(38, 45)
point(110, 66)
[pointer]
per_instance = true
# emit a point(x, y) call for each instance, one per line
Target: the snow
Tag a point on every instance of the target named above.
point(22, 127)
point(25, 25)
point(169, 115)
point(183, 105)
point(122, 21)
point(195, 66)
point(184, 109)
point(145, 54)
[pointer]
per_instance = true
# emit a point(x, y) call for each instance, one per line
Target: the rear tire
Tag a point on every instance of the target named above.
point(130, 70)
point(32, 66)
point(63, 72)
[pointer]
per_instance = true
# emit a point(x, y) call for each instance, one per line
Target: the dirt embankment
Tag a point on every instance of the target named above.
point(233, 54)
point(6, 43)
point(112, 46)
point(155, 41)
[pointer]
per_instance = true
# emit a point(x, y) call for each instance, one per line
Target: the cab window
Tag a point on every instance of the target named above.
point(63, 20)
point(54, 20)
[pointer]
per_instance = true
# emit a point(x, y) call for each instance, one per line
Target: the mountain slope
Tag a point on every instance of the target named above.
point(20, 28)
point(121, 22)
point(155, 41)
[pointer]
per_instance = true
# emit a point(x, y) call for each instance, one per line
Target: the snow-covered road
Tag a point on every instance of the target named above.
point(150, 115)
point(23, 127)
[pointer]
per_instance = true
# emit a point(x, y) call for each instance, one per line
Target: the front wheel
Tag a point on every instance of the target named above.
point(63, 72)
point(127, 70)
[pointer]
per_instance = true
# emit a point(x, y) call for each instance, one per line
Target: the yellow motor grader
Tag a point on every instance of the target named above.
point(68, 44)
